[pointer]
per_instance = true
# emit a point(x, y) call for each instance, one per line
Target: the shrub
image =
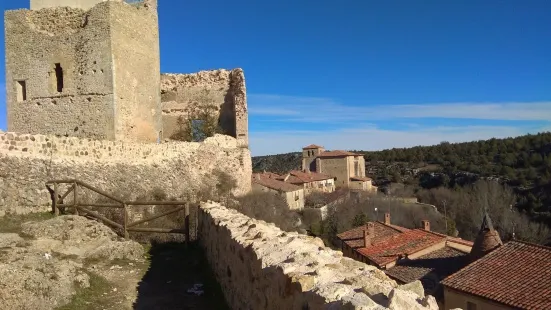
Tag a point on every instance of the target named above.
point(200, 120)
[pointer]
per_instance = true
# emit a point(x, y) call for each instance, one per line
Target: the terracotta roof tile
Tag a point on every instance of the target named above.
point(312, 146)
point(517, 274)
point(268, 175)
point(430, 269)
point(454, 239)
point(307, 177)
point(274, 184)
point(406, 243)
point(354, 237)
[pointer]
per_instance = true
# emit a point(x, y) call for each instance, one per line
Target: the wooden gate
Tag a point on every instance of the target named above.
point(81, 208)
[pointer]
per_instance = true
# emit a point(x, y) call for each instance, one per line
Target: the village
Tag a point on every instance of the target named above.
point(111, 171)
point(459, 273)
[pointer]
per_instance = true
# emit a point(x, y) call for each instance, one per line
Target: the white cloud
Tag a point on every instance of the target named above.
point(312, 109)
point(372, 138)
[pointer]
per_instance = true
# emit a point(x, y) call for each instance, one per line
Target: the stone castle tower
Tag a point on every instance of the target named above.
point(84, 68)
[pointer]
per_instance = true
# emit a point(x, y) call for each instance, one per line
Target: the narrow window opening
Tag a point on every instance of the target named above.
point(21, 87)
point(59, 77)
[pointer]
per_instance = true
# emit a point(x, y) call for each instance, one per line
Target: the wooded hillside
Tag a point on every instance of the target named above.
point(524, 163)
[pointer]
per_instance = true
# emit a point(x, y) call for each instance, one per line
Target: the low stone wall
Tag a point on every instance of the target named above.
point(261, 267)
point(131, 169)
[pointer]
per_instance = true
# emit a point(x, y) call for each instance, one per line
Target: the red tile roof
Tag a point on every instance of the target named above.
point(516, 274)
point(454, 239)
point(430, 269)
point(410, 270)
point(312, 146)
point(268, 175)
point(272, 183)
point(406, 243)
point(338, 153)
point(307, 177)
point(354, 237)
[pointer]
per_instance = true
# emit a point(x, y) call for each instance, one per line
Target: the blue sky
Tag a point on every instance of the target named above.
point(369, 74)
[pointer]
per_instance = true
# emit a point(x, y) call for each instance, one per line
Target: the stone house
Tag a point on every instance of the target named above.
point(293, 195)
point(310, 181)
point(516, 275)
point(407, 255)
point(347, 168)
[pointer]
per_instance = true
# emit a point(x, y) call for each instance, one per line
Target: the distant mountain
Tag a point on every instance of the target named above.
point(280, 163)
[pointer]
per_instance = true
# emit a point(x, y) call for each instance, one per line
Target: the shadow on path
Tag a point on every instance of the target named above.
point(175, 269)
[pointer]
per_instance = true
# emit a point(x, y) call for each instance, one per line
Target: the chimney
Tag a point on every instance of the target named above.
point(426, 225)
point(387, 218)
point(256, 176)
point(369, 233)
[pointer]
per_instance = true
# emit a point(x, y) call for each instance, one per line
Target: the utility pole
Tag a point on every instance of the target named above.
point(512, 221)
point(389, 205)
point(445, 215)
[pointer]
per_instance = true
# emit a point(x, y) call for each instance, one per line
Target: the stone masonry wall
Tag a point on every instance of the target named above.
point(180, 169)
point(222, 89)
point(77, 40)
point(261, 267)
point(137, 69)
point(83, 71)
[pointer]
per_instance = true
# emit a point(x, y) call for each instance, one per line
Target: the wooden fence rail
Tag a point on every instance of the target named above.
point(80, 207)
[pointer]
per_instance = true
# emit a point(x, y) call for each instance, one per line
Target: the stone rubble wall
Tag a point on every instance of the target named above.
point(181, 169)
point(223, 90)
point(260, 266)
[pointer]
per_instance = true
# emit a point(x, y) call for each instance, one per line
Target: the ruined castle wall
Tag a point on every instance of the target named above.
point(136, 65)
point(261, 267)
point(77, 40)
point(223, 90)
point(81, 4)
point(130, 169)
point(84, 73)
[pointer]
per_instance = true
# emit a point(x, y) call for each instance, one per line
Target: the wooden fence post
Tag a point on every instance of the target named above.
point(186, 223)
point(75, 197)
point(125, 221)
point(56, 210)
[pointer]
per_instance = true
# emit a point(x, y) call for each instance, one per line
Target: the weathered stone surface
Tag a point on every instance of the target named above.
point(29, 279)
point(84, 70)
point(415, 287)
point(221, 90)
point(78, 236)
point(181, 169)
point(401, 299)
point(10, 240)
point(261, 267)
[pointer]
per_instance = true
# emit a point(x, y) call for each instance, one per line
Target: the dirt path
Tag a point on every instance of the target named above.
point(174, 270)
point(160, 279)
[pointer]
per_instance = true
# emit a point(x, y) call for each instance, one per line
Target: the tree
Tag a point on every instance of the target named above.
point(200, 119)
